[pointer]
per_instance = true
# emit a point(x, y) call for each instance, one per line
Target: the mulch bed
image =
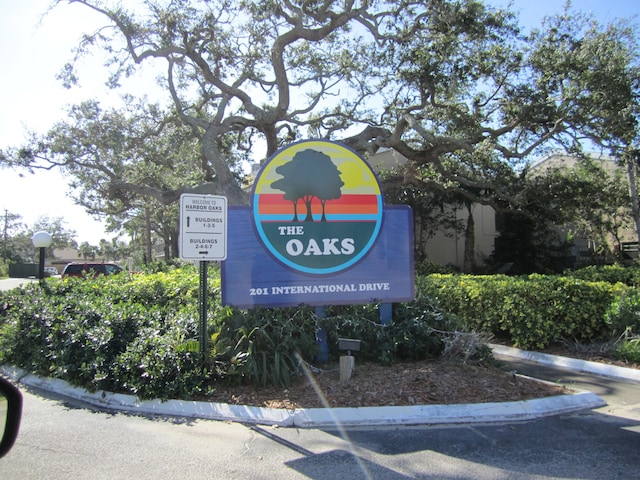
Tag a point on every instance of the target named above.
point(412, 383)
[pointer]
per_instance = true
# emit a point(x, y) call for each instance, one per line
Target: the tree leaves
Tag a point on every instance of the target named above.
point(453, 86)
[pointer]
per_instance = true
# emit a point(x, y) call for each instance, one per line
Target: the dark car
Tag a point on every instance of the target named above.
point(90, 269)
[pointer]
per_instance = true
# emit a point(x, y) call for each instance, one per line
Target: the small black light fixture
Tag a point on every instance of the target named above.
point(41, 240)
point(349, 344)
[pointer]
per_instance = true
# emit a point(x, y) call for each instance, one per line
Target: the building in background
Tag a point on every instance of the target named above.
point(447, 246)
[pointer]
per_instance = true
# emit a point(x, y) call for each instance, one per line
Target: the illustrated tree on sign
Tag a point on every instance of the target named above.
point(310, 174)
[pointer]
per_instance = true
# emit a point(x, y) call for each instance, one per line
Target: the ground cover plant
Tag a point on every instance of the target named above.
point(138, 333)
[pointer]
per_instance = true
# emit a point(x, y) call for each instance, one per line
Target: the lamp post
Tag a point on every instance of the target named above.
point(41, 240)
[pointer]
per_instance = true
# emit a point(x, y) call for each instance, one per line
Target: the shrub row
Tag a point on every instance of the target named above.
point(531, 311)
point(117, 333)
point(138, 334)
point(613, 274)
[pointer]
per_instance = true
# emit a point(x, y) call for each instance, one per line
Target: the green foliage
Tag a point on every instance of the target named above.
point(624, 313)
point(532, 311)
point(449, 70)
point(529, 241)
point(168, 266)
point(155, 364)
point(360, 322)
point(4, 269)
point(413, 334)
point(579, 192)
point(138, 333)
point(262, 346)
point(91, 331)
point(426, 267)
point(608, 273)
point(628, 349)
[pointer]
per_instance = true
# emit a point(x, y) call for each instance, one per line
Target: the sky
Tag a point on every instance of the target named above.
point(34, 49)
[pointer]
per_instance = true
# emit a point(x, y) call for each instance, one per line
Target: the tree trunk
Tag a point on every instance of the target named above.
point(633, 193)
point(147, 233)
point(307, 202)
point(174, 243)
point(226, 183)
point(469, 262)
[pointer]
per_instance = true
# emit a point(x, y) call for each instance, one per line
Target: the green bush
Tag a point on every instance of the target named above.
point(531, 311)
point(78, 329)
point(156, 364)
point(139, 333)
point(262, 346)
point(608, 273)
point(413, 334)
point(426, 267)
point(628, 350)
point(624, 313)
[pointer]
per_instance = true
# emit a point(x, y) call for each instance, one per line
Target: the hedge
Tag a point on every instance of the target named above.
point(138, 334)
point(532, 311)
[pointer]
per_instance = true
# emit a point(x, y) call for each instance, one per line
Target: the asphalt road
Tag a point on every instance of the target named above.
point(622, 397)
point(11, 283)
point(60, 439)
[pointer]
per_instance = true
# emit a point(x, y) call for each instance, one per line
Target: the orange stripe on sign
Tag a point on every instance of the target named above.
point(277, 199)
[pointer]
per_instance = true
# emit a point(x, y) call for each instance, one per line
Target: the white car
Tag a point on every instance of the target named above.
point(50, 271)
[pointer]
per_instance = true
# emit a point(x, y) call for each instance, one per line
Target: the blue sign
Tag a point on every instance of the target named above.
point(253, 276)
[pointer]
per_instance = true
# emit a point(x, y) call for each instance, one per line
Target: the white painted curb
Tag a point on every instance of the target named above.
point(320, 417)
point(570, 363)
point(130, 403)
point(447, 414)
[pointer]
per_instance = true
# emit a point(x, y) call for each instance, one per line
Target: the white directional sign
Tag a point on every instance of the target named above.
point(203, 227)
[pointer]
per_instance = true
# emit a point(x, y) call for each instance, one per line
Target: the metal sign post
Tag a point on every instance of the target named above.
point(203, 237)
point(202, 325)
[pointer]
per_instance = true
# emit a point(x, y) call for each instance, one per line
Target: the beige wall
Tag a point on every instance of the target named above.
point(563, 160)
point(447, 247)
point(386, 160)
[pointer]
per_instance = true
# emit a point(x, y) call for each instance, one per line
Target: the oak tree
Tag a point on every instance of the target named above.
point(454, 86)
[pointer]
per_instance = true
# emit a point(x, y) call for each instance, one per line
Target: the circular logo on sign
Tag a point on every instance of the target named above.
point(317, 207)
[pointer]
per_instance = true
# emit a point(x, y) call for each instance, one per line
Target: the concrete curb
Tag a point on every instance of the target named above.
point(574, 364)
point(130, 403)
point(320, 417)
point(447, 414)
